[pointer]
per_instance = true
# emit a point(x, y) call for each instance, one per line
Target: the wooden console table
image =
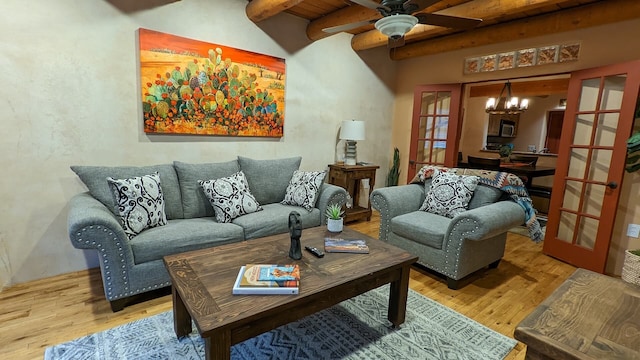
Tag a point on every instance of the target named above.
point(349, 177)
point(590, 316)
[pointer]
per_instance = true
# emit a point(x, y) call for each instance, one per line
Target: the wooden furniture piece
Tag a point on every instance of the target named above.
point(349, 177)
point(590, 316)
point(476, 162)
point(202, 281)
point(527, 171)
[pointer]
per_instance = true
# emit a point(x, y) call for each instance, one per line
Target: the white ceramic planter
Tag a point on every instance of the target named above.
point(335, 225)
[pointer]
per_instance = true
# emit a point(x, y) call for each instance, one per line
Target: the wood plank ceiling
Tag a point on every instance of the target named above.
point(503, 20)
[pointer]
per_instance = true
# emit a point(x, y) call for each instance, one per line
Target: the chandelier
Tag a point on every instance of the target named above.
point(510, 105)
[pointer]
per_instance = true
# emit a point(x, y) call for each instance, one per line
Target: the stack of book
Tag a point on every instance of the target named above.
point(334, 245)
point(267, 279)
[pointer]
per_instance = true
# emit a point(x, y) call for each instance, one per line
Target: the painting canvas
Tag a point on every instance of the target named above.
point(195, 87)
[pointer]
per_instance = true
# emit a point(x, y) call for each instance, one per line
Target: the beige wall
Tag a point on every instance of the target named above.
point(598, 47)
point(71, 96)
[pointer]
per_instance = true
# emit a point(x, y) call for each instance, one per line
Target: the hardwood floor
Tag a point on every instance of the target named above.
point(49, 311)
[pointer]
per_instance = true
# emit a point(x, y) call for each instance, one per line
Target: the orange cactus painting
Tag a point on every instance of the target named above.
point(194, 87)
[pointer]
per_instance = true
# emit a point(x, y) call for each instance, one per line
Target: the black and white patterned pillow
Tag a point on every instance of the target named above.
point(303, 188)
point(139, 202)
point(449, 194)
point(230, 197)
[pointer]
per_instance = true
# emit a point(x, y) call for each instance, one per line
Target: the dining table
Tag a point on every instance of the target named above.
point(527, 171)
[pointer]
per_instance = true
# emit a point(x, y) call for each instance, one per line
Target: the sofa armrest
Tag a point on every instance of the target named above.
point(395, 200)
point(330, 194)
point(92, 226)
point(486, 221)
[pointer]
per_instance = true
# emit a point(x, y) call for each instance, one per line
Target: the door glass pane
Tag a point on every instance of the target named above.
point(442, 125)
point(584, 127)
point(612, 92)
point(572, 194)
point(592, 200)
point(426, 126)
point(444, 102)
point(566, 227)
point(606, 131)
point(438, 155)
point(599, 167)
point(587, 231)
point(578, 163)
point(428, 103)
point(589, 95)
point(424, 150)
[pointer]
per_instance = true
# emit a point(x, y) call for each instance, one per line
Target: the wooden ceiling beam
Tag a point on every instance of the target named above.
point(258, 10)
point(491, 11)
point(525, 88)
point(347, 15)
point(594, 14)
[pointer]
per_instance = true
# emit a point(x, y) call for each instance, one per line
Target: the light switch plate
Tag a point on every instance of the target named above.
point(633, 230)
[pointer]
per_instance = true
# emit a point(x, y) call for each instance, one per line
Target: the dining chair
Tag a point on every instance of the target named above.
point(476, 162)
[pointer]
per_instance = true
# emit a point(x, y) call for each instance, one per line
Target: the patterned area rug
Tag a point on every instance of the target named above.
point(354, 329)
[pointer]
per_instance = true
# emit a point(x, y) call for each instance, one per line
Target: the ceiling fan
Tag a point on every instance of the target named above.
point(400, 16)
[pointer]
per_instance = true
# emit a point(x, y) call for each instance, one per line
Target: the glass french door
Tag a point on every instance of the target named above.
point(435, 126)
point(599, 118)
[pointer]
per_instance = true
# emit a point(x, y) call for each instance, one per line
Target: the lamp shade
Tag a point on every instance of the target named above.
point(352, 130)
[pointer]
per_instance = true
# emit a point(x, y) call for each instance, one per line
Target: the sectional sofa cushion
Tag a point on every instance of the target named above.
point(139, 202)
point(268, 179)
point(274, 219)
point(194, 201)
point(303, 188)
point(230, 197)
point(95, 178)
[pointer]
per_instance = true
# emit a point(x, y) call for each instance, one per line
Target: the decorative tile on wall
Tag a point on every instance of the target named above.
point(542, 55)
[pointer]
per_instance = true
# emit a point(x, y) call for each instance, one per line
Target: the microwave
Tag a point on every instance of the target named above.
point(507, 128)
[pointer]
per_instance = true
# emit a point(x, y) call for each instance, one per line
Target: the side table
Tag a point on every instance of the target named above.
point(349, 177)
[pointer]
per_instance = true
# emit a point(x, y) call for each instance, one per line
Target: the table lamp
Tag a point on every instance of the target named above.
point(351, 131)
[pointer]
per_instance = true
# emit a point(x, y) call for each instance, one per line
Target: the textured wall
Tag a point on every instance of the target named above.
point(71, 96)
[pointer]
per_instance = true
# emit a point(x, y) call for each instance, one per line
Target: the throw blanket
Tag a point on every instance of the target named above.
point(507, 182)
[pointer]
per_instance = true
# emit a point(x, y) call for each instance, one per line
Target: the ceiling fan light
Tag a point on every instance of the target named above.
point(395, 26)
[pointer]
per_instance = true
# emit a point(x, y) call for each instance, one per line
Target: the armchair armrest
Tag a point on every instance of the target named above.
point(330, 194)
point(395, 200)
point(485, 221)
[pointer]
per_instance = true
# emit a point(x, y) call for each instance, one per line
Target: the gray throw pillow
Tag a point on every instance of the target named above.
point(303, 188)
point(194, 201)
point(230, 197)
point(139, 202)
point(268, 179)
point(449, 194)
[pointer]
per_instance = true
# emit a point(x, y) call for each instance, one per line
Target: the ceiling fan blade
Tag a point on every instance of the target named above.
point(346, 27)
point(371, 4)
point(395, 42)
point(454, 22)
point(416, 5)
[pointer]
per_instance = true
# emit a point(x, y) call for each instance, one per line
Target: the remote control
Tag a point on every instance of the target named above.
point(314, 251)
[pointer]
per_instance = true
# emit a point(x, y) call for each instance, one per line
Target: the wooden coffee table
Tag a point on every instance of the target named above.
point(202, 282)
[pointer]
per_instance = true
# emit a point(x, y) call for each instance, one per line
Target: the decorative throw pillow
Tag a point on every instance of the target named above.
point(139, 202)
point(230, 197)
point(303, 188)
point(449, 194)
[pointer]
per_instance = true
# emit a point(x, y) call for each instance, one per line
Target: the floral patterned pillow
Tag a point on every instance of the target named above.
point(449, 194)
point(230, 197)
point(303, 189)
point(139, 202)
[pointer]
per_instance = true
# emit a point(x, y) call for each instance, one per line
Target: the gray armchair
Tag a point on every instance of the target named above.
point(453, 247)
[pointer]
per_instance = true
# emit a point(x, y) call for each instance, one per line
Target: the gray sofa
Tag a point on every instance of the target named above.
point(133, 266)
point(454, 247)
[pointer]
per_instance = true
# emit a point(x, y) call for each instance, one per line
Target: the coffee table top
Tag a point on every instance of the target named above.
point(204, 278)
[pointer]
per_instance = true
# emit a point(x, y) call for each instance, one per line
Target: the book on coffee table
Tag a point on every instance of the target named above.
point(337, 245)
point(270, 272)
point(248, 283)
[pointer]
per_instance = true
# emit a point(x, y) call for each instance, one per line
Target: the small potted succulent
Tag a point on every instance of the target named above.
point(335, 221)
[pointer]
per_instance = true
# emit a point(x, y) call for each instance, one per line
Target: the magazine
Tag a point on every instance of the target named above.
point(278, 272)
point(335, 245)
point(247, 283)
